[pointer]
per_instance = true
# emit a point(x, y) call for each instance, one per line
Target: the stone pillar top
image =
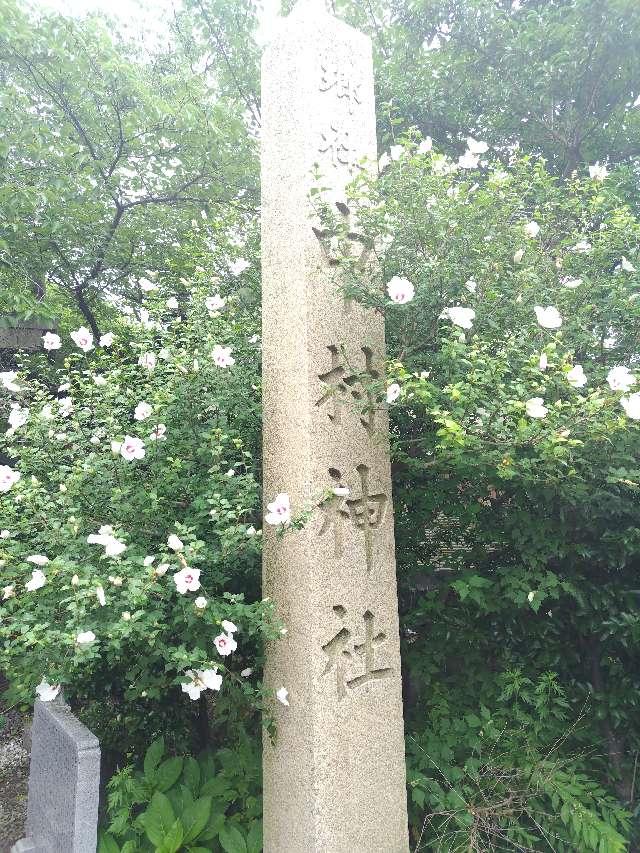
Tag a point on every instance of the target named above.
point(310, 7)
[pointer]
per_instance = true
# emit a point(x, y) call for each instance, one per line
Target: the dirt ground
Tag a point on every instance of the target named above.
point(14, 774)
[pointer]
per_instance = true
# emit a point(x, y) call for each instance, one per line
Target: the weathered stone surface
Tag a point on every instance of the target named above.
point(29, 339)
point(335, 779)
point(64, 782)
point(16, 333)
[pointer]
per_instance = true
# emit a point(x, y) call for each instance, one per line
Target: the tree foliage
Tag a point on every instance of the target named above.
point(108, 156)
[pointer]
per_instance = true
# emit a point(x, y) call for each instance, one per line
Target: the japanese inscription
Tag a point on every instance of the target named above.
point(343, 387)
point(343, 651)
point(359, 246)
point(335, 142)
point(333, 77)
point(365, 513)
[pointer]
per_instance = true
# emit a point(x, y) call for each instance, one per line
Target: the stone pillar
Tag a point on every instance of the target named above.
point(335, 779)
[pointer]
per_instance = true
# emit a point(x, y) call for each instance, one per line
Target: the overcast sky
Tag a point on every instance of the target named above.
point(145, 14)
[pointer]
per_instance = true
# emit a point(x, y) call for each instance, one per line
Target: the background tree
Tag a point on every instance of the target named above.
point(100, 185)
point(560, 79)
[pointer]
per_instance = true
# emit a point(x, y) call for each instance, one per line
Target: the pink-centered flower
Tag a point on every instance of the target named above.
point(549, 317)
point(8, 380)
point(51, 341)
point(468, 160)
point(400, 290)
point(598, 172)
point(148, 360)
point(239, 266)
point(201, 679)
point(85, 638)
point(82, 338)
point(279, 510)
point(571, 283)
point(225, 644)
point(214, 303)
point(175, 543)
point(222, 356)
point(18, 417)
point(159, 433)
point(393, 392)
point(142, 411)
point(535, 408)
point(187, 580)
point(631, 405)
point(8, 478)
point(112, 546)
point(132, 448)
point(459, 316)
point(620, 379)
point(576, 377)
point(38, 579)
point(477, 147)
point(65, 406)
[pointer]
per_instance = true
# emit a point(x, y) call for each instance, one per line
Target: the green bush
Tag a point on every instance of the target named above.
point(181, 803)
point(515, 466)
point(100, 524)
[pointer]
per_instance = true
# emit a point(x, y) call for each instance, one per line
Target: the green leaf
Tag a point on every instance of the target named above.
point(217, 787)
point(107, 844)
point(216, 822)
point(195, 818)
point(231, 840)
point(192, 774)
point(173, 839)
point(153, 756)
point(254, 838)
point(168, 773)
point(418, 796)
point(158, 818)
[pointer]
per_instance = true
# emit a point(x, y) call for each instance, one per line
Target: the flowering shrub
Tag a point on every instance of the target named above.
point(513, 390)
point(134, 478)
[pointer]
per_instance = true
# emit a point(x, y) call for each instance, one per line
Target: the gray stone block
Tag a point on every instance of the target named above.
point(25, 845)
point(64, 783)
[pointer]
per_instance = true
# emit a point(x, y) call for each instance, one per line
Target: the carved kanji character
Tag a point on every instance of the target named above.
point(342, 652)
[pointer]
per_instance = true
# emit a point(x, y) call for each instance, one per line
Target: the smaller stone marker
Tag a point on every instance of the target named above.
point(64, 783)
point(16, 333)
